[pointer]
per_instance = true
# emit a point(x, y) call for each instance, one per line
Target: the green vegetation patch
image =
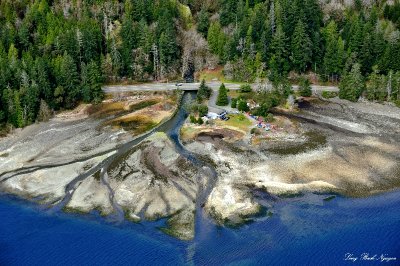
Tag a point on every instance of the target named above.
point(143, 104)
point(314, 140)
point(329, 94)
point(135, 124)
point(239, 121)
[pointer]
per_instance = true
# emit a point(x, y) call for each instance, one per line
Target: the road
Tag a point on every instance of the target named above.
point(194, 86)
point(165, 87)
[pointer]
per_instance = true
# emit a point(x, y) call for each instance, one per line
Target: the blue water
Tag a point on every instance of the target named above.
point(301, 231)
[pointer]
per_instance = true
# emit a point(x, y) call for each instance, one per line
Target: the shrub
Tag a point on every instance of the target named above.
point(245, 88)
point(192, 119)
point(200, 121)
point(234, 103)
point(242, 106)
point(329, 94)
point(269, 118)
point(305, 87)
point(263, 109)
point(202, 109)
point(255, 131)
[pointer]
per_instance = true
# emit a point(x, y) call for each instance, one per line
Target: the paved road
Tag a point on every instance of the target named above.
point(191, 87)
point(165, 87)
point(194, 86)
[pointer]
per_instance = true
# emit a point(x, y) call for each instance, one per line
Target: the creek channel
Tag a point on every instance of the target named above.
point(206, 176)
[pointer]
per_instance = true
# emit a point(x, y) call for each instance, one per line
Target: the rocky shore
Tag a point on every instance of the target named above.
point(84, 164)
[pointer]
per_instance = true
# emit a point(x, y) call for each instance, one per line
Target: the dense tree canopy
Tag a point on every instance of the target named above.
point(306, 35)
point(62, 51)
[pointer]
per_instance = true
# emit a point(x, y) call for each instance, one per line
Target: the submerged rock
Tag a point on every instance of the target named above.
point(181, 225)
point(231, 205)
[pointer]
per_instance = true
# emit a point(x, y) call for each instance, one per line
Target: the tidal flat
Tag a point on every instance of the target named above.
point(89, 159)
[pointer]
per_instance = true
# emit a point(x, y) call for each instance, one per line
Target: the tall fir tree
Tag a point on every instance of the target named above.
point(70, 80)
point(279, 53)
point(331, 54)
point(376, 86)
point(222, 99)
point(301, 48)
point(203, 22)
point(352, 84)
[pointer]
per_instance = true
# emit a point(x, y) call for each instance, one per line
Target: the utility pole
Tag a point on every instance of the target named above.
point(155, 61)
point(389, 86)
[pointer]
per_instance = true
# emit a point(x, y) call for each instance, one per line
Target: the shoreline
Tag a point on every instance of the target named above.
point(158, 181)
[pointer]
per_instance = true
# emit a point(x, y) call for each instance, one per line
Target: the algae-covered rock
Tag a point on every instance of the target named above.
point(231, 205)
point(181, 225)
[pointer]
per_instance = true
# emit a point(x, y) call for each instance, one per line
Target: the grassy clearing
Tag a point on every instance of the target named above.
point(245, 95)
point(188, 133)
point(216, 74)
point(105, 109)
point(143, 104)
point(118, 108)
point(234, 94)
point(238, 121)
point(136, 124)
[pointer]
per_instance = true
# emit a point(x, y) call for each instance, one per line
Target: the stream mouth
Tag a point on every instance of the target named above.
point(205, 178)
point(156, 177)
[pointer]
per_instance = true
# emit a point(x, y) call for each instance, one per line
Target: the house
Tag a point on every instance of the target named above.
point(212, 115)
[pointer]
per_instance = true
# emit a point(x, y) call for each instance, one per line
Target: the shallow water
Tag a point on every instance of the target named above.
point(301, 231)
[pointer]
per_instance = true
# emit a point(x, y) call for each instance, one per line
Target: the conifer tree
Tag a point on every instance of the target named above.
point(376, 86)
point(352, 84)
point(203, 22)
point(301, 48)
point(331, 54)
point(17, 111)
point(305, 87)
point(70, 80)
point(279, 59)
point(215, 38)
point(204, 91)
point(222, 99)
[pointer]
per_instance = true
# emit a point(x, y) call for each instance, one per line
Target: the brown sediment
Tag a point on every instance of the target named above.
point(154, 179)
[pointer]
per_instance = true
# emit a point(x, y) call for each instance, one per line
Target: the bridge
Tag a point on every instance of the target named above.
point(165, 87)
point(212, 107)
point(194, 87)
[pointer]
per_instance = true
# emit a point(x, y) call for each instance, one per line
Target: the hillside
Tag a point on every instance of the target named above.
point(55, 54)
